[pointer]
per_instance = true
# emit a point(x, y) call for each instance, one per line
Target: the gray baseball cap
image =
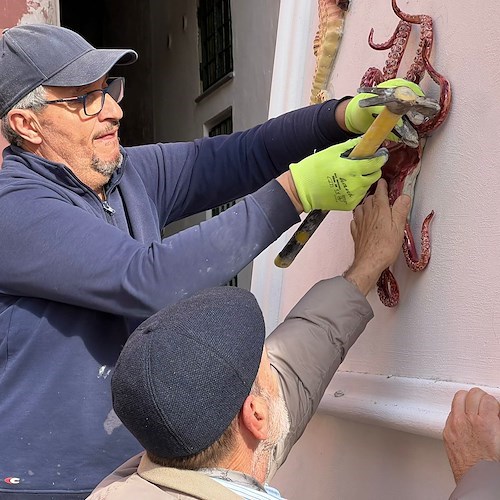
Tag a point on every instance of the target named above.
point(42, 54)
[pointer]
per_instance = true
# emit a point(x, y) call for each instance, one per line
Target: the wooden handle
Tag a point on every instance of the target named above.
point(375, 135)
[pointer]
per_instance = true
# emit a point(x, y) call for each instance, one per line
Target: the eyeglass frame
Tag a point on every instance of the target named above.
point(104, 91)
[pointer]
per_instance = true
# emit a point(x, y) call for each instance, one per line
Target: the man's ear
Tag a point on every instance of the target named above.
point(255, 417)
point(25, 123)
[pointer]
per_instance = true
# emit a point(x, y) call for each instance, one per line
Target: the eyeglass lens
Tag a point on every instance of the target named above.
point(94, 101)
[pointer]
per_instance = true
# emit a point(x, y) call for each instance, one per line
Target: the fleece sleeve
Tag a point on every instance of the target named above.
point(186, 178)
point(57, 251)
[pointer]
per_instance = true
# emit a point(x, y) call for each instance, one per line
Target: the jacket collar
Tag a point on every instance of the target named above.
point(189, 482)
point(55, 172)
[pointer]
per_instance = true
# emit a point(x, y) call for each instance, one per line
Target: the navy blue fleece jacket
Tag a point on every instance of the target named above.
point(76, 278)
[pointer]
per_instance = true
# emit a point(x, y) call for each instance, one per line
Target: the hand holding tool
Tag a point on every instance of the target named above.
point(330, 180)
point(358, 119)
point(396, 101)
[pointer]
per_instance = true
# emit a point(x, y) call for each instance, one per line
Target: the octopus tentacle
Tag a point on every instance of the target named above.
point(409, 18)
point(372, 77)
point(417, 69)
point(387, 289)
point(409, 249)
point(402, 31)
point(397, 44)
point(444, 100)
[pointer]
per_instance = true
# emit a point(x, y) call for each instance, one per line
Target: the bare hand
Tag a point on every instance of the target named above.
point(377, 230)
point(472, 430)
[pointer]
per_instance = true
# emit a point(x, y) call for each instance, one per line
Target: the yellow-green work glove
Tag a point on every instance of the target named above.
point(328, 180)
point(358, 119)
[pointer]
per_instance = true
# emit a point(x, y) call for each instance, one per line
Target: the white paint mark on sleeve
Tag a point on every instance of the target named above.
point(112, 422)
point(103, 372)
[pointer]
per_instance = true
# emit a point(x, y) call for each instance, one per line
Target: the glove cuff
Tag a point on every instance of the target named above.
point(349, 114)
point(300, 176)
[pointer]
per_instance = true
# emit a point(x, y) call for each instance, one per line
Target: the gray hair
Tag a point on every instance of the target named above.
point(215, 453)
point(35, 100)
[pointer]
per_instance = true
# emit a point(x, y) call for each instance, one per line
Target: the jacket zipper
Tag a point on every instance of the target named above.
point(108, 208)
point(105, 205)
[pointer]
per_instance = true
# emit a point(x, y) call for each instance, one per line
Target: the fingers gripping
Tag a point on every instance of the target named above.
point(328, 180)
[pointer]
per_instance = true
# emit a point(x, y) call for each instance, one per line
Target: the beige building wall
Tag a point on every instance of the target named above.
point(379, 436)
point(175, 47)
point(179, 113)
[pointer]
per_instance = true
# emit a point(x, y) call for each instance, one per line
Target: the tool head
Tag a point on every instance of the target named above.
point(400, 100)
point(403, 101)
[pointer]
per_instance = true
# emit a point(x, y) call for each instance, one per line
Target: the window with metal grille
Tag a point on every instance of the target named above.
point(225, 126)
point(216, 41)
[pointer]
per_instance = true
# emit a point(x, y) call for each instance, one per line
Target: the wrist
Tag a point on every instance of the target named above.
point(340, 114)
point(286, 182)
point(362, 277)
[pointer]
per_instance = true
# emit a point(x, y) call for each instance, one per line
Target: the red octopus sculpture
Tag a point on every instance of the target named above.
point(403, 166)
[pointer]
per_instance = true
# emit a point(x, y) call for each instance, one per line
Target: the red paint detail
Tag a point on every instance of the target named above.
point(11, 12)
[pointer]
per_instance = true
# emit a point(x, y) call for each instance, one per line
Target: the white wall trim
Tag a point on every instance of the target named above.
point(292, 62)
point(292, 57)
point(58, 13)
point(415, 405)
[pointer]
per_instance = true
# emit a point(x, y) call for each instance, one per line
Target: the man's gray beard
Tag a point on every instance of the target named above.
point(279, 426)
point(106, 168)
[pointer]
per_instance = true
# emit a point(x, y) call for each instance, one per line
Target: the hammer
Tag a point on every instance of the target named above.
point(397, 101)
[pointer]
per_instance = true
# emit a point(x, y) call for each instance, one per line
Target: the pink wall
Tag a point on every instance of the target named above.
point(13, 12)
point(447, 326)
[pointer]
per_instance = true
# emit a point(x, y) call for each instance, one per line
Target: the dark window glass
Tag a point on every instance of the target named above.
point(214, 23)
point(223, 127)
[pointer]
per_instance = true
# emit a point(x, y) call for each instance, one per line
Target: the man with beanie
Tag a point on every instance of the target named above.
point(217, 406)
point(82, 258)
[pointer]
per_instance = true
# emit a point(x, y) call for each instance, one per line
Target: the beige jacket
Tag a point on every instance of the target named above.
point(482, 482)
point(305, 350)
point(141, 479)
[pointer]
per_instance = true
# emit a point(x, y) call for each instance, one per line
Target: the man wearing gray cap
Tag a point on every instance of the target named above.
point(82, 259)
point(215, 405)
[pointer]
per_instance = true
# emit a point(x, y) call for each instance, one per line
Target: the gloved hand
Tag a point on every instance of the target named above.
point(328, 180)
point(358, 119)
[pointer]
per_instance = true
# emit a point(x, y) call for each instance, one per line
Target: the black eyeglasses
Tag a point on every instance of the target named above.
point(93, 102)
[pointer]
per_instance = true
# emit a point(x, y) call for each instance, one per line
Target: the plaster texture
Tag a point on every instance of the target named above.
point(445, 333)
point(14, 12)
